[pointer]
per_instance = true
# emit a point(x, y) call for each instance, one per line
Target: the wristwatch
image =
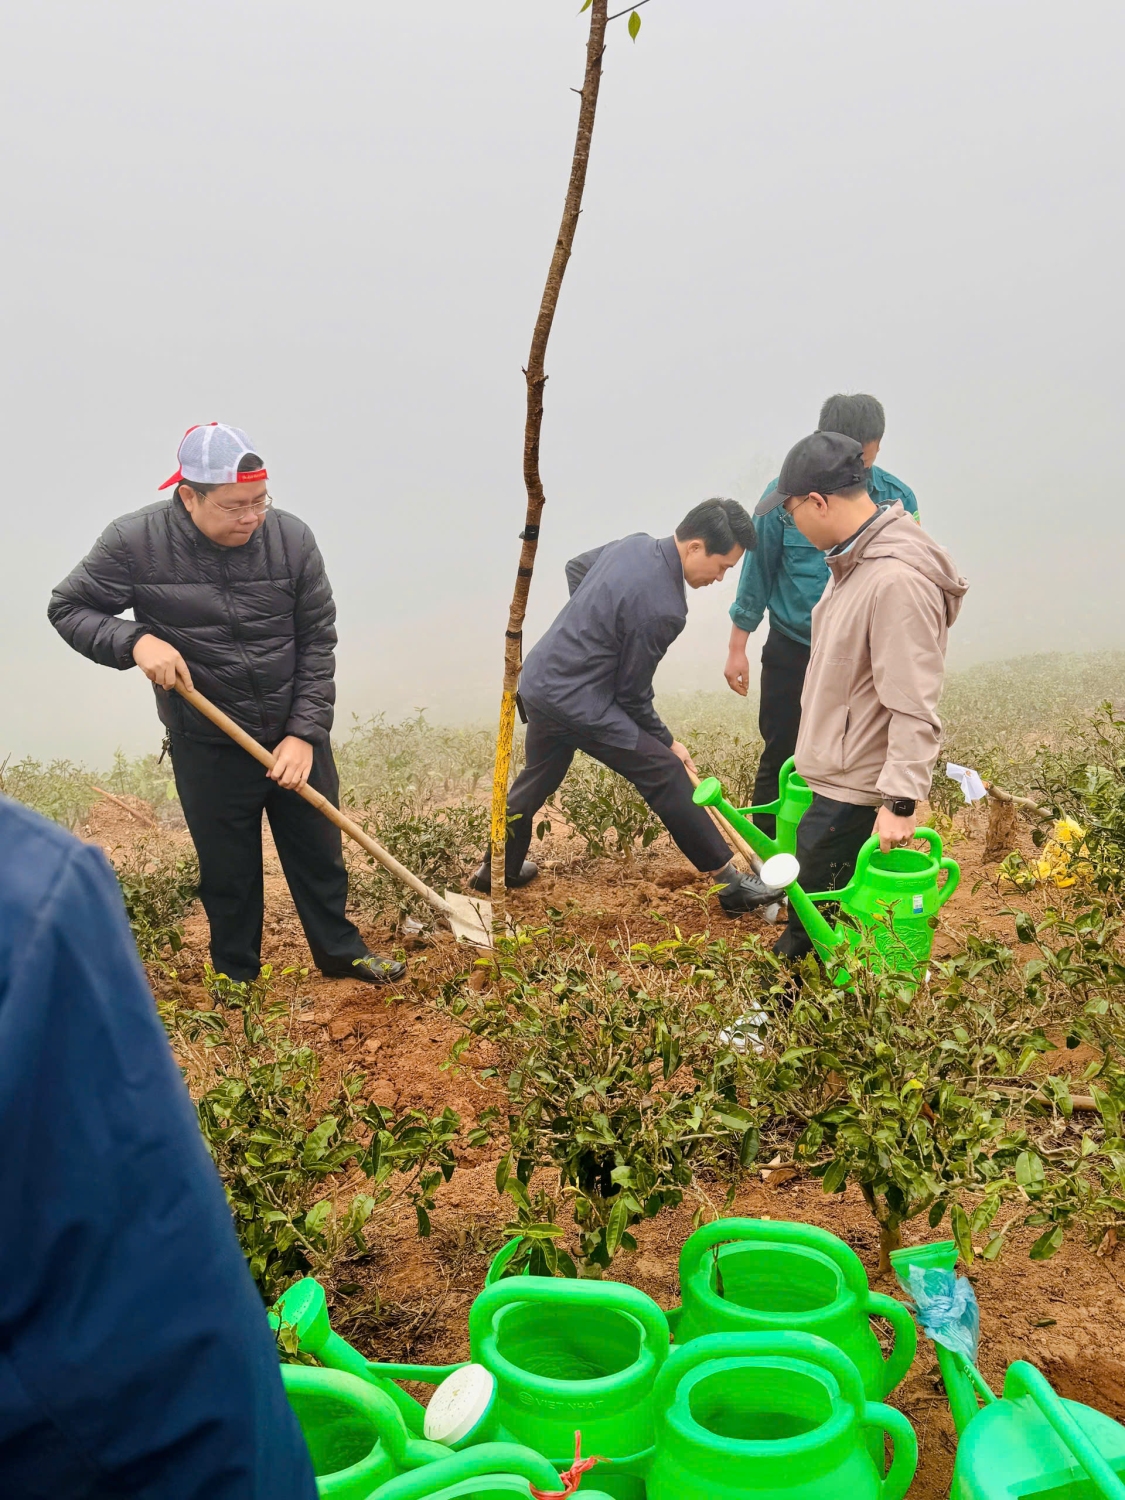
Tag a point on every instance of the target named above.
point(902, 807)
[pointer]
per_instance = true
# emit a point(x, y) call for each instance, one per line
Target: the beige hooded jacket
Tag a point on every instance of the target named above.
point(869, 723)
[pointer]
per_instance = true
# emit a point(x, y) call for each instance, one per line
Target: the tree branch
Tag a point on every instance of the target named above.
point(535, 377)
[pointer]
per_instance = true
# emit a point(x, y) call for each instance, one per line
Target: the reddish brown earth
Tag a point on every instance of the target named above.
point(1065, 1314)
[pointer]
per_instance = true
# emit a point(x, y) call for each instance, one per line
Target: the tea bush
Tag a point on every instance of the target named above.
point(604, 810)
point(59, 790)
point(158, 885)
point(439, 846)
point(616, 1077)
point(413, 761)
point(282, 1146)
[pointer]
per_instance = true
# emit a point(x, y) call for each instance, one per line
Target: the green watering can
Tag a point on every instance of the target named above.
point(493, 1469)
point(355, 1434)
point(304, 1308)
point(901, 884)
point(767, 1276)
point(567, 1356)
point(794, 798)
point(772, 1416)
point(1029, 1441)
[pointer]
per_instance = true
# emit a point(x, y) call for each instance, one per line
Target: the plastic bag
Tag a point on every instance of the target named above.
point(945, 1306)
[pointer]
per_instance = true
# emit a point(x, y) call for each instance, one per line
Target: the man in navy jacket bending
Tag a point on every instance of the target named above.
point(587, 685)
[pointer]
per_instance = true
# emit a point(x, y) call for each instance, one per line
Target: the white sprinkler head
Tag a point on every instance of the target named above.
point(779, 871)
point(459, 1405)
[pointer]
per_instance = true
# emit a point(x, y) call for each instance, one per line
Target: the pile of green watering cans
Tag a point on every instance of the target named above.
point(890, 904)
point(768, 1382)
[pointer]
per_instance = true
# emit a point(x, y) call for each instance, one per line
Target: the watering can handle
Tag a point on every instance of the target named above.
point(380, 1409)
point(1025, 1379)
point(776, 1232)
point(782, 786)
point(784, 1343)
point(863, 859)
point(482, 1461)
point(613, 1294)
point(904, 1440)
point(952, 880)
point(905, 1346)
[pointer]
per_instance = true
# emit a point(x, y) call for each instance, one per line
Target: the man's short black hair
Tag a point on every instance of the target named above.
point(859, 417)
point(721, 525)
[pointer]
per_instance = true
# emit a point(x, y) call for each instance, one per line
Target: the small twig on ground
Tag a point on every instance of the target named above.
point(148, 822)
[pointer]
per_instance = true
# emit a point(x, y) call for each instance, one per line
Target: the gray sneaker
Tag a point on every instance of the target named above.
point(745, 893)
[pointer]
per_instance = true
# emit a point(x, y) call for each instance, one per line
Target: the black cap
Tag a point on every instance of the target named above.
point(824, 462)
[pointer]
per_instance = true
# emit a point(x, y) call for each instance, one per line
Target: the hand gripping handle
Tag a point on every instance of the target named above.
point(558, 1291)
point(904, 1458)
point(905, 1346)
point(786, 1344)
point(871, 847)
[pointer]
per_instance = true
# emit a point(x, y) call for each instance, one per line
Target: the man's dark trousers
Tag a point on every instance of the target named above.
point(656, 773)
point(784, 663)
point(829, 838)
point(223, 792)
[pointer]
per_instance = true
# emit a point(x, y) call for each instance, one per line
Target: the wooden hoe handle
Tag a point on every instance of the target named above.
point(732, 835)
point(321, 803)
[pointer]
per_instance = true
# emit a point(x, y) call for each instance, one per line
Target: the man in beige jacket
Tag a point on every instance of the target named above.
point(870, 731)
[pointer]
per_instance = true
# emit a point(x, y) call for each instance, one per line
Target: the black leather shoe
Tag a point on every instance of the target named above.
point(745, 893)
point(372, 970)
point(481, 878)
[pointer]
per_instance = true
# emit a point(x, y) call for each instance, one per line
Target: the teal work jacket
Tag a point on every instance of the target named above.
point(786, 574)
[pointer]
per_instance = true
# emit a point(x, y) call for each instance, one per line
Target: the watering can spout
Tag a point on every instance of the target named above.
point(709, 793)
point(781, 873)
point(826, 939)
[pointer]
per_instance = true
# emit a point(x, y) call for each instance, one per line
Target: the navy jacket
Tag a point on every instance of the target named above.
point(256, 624)
point(593, 668)
point(135, 1356)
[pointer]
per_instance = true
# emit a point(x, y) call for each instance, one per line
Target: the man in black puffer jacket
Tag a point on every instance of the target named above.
point(231, 595)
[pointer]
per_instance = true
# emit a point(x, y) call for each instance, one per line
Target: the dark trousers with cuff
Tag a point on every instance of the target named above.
point(784, 663)
point(224, 792)
point(829, 838)
point(651, 767)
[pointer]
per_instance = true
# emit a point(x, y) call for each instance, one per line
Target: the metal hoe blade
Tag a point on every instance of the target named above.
point(471, 919)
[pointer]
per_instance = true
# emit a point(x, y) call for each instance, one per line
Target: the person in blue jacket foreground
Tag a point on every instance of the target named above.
point(786, 576)
point(135, 1355)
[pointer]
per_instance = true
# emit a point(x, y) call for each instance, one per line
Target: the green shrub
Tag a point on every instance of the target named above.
point(282, 1147)
point(438, 846)
point(158, 885)
point(59, 790)
point(148, 777)
point(598, 804)
point(616, 1077)
point(413, 761)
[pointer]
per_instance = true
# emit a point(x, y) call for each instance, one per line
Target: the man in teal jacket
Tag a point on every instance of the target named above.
point(786, 575)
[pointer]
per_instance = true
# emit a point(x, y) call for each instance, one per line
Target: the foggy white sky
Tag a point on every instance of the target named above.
point(329, 225)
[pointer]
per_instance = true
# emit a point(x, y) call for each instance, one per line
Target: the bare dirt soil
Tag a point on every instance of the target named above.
point(1065, 1314)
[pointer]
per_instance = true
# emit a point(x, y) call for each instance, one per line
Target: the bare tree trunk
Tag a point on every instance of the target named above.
point(536, 378)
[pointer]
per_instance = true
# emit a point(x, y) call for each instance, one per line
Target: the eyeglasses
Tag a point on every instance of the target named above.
point(256, 508)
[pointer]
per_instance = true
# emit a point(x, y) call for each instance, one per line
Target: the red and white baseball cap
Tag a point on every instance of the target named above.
point(211, 454)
